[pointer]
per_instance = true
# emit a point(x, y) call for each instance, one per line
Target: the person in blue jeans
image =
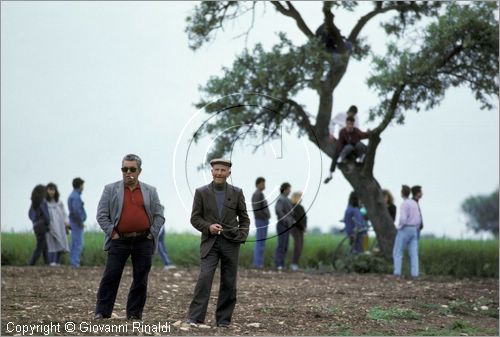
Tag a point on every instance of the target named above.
point(77, 217)
point(262, 216)
point(410, 221)
point(162, 250)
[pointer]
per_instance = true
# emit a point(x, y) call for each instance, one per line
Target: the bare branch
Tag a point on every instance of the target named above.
point(292, 12)
point(247, 33)
point(379, 9)
point(391, 111)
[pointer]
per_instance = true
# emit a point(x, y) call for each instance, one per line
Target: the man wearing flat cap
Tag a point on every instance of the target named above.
point(220, 214)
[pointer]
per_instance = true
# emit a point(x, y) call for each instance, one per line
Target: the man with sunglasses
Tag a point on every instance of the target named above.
point(131, 216)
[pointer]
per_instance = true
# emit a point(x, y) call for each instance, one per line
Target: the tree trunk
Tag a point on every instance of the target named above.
point(370, 193)
point(360, 177)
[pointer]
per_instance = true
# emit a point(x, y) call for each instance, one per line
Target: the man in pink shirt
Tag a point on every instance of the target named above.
point(410, 220)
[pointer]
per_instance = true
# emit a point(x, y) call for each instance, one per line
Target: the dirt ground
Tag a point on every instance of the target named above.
point(269, 303)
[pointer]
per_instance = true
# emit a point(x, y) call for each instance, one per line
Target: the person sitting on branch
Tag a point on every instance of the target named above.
point(349, 142)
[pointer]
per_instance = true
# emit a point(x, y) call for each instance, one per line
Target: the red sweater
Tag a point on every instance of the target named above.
point(346, 137)
point(134, 217)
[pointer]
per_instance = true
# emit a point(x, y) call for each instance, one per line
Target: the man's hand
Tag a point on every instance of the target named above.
point(215, 228)
point(115, 235)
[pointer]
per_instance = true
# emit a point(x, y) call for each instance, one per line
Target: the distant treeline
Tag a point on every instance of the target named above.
point(458, 258)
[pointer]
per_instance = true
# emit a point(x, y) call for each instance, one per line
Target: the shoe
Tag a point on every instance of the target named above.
point(170, 266)
point(134, 318)
point(279, 268)
point(294, 267)
point(191, 322)
point(223, 325)
point(327, 180)
point(53, 264)
point(99, 316)
point(360, 159)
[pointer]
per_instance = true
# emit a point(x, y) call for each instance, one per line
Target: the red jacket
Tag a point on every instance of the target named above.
point(352, 138)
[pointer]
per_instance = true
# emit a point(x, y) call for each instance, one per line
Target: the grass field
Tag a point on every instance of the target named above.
point(459, 258)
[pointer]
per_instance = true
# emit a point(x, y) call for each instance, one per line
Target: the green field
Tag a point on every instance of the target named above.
point(459, 258)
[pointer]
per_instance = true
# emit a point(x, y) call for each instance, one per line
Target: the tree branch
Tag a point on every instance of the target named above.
point(367, 169)
point(391, 111)
point(247, 33)
point(293, 13)
point(379, 9)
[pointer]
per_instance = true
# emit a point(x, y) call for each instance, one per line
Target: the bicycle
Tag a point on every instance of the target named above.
point(344, 256)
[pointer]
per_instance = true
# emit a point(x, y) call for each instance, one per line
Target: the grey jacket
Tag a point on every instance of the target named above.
point(234, 219)
point(110, 206)
point(284, 211)
point(259, 205)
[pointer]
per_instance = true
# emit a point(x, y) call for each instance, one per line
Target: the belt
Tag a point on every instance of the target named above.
point(134, 234)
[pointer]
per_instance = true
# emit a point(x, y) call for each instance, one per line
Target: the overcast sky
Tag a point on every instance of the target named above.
point(84, 83)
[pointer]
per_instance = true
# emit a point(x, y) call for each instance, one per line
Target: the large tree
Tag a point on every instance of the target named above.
point(482, 212)
point(458, 47)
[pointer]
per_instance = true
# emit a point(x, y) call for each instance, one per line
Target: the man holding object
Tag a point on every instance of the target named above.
point(220, 214)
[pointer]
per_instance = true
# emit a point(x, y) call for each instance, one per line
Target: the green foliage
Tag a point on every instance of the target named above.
point(270, 78)
point(386, 315)
point(482, 212)
point(460, 48)
point(410, 12)
point(458, 258)
point(456, 328)
point(209, 16)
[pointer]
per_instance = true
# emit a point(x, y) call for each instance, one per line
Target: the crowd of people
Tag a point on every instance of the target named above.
point(292, 220)
point(131, 216)
point(52, 224)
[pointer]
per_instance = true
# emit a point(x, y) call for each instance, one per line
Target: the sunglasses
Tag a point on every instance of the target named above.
point(129, 169)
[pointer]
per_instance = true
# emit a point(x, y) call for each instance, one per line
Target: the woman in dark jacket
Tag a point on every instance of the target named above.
point(298, 229)
point(39, 215)
point(389, 201)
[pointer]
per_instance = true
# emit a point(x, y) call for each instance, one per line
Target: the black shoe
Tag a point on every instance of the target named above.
point(134, 318)
point(99, 316)
point(223, 324)
point(193, 322)
point(327, 180)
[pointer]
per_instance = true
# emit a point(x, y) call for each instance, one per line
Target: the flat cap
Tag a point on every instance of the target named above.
point(221, 161)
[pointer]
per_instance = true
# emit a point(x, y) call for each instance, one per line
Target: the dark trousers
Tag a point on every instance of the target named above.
point(41, 247)
point(356, 242)
point(333, 165)
point(298, 243)
point(141, 249)
point(358, 150)
point(228, 253)
point(282, 247)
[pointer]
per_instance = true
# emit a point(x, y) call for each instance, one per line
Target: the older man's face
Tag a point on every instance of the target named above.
point(130, 172)
point(220, 173)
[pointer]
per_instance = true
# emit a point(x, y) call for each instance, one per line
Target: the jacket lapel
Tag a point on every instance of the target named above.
point(146, 198)
point(229, 198)
point(120, 192)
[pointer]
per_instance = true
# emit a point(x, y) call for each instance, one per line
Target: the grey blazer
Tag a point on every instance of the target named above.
point(110, 206)
point(234, 219)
